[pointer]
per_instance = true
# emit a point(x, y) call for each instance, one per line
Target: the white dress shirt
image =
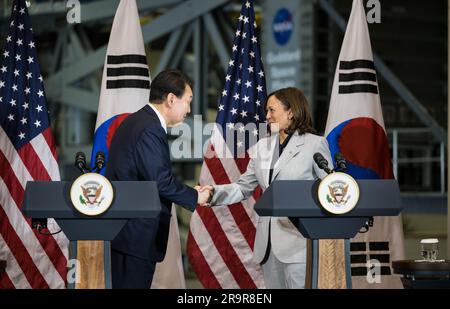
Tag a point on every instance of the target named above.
point(161, 118)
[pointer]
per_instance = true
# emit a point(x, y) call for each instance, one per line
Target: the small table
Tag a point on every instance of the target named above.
point(423, 275)
point(2, 266)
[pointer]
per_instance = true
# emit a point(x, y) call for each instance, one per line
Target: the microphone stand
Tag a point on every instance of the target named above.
point(80, 162)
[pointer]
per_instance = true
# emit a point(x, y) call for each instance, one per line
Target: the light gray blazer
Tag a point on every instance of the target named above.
point(295, 163)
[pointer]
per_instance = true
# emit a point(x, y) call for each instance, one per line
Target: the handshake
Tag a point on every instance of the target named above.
point(205, 194)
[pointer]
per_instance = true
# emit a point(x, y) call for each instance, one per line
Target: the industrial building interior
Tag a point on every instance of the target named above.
point(409, 44)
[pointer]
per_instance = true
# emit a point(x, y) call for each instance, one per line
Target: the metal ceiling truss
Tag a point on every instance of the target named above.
point(183, 20)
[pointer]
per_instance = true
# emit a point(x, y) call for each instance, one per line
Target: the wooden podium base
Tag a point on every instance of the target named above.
point(90, 256)
point(326, 264)
point(331, 264)
point(93, 268)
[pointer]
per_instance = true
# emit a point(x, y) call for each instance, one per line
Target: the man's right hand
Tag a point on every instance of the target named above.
point(205, 194)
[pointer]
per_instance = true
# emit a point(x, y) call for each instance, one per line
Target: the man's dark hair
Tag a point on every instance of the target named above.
point(169, 81)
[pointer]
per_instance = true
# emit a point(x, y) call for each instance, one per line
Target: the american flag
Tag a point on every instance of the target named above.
point(27, 152)
point(221, 239)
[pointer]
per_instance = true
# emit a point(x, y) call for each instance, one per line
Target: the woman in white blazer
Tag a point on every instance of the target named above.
point(286, 154)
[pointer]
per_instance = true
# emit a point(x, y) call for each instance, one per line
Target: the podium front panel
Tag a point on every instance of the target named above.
point(298, 198)
point(132, 199)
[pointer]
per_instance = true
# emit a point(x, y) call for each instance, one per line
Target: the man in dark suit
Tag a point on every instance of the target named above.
point(139, 151)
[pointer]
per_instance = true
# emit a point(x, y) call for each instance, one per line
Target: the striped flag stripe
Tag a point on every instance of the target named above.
point(51, 168)
point(242, 221)
point(11, 156)
point(220, 176)
point(5, 282)
point(13, 272)
point(48, 136)
point(230, 172)
point(238, 210)
point(226, 171)
point(211, 255)
point(241, 243)
point(218, 224)
point(218, 144)
point(227, 252)
point(240, 246)
point(241, 163)
point(45, 155)
point(234, 235)
point(245, 224)
point(29, 239)
point(61, 240)
point(11, 181)
point(16, 189)
point(55, 254)
point(201, 268)
point(19, 251)
point(32, 162)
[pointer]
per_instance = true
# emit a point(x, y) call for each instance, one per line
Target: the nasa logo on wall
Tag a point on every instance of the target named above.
point(282, 26)
point(91, 194)
point(338, 193)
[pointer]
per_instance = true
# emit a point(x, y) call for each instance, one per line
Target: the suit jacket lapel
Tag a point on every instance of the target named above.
point(273, 142)
point(291, 150)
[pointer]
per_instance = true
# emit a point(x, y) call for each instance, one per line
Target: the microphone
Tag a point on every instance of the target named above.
point(321, 162)
point(99, 160)
point(80, 162)
point(341, 163)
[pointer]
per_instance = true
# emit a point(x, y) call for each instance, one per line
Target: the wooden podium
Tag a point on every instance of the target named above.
point(132, 199)
point(298, 200)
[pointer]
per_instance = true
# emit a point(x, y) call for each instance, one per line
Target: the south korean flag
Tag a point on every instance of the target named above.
point(355, 128)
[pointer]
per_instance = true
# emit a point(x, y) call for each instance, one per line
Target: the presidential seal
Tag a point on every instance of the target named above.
point(91, 194)
point(338, 193)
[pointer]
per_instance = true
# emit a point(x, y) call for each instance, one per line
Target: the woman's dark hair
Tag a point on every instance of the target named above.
point(294, 99)
point(169, 81)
